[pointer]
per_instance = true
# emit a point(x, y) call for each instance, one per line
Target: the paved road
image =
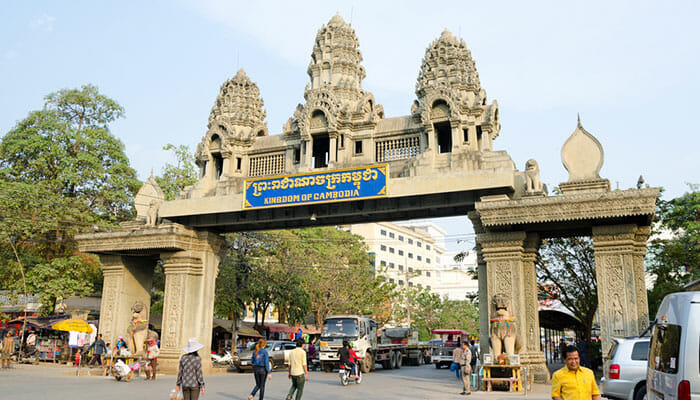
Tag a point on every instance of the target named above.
point(60, 383)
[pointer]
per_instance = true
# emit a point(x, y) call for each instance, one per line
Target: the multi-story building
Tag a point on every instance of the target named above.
point(414, 255)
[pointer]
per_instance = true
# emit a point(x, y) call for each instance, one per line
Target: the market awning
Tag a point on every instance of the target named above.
point(46, 322)
point(247, 332)
point(291, 329)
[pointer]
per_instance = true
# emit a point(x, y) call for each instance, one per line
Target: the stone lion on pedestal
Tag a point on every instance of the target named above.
point(504, 332)
point(137, 333)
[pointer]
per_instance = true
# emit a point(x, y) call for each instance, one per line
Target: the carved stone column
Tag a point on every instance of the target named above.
point(621, 289)
point(640, 247)
point(532, 354)
point(484, 344)
point(188, 305)
point(126, 281)
point(510, 270)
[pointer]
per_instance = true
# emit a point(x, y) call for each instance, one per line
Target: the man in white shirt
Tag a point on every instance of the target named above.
point(297, 370)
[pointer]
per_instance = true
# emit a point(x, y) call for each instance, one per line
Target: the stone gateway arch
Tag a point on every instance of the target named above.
point(340, 160)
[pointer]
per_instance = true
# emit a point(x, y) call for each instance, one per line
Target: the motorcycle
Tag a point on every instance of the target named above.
point(222, 361)
point(26, 356)
point(345, 373)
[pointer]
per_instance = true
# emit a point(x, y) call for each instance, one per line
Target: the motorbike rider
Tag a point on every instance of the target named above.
point(348, 357)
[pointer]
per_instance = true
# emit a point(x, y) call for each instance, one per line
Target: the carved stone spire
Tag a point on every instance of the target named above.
point(448, 86)
point(238, 115)
point(583, 156)
point(335, 63)
point(448, 65)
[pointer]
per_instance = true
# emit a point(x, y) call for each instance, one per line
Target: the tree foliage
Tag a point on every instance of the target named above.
point(67, 147)
point(568, 264)
point(176, 177)
point(429, 311)
point(36, 240)
point(674, 253)
point(61, 171)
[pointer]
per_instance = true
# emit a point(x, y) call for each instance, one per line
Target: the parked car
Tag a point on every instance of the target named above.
point(674, 365)
point(624, 373)
point(279, 355)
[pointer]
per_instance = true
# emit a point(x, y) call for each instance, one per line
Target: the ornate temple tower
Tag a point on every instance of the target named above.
point(451, 102)
point(236, 120)
point(337, 110)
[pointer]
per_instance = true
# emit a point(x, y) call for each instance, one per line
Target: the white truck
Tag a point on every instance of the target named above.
point(396, 344)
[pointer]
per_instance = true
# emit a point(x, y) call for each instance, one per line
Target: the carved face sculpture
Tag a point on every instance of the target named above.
point(500, 305)
point(531, 165)
point(137, 310)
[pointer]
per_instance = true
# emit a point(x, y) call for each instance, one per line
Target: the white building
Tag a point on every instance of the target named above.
point(414, 255)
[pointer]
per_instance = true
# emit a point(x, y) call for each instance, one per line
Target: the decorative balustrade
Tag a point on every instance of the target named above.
point(268, 164)
point(398, 149)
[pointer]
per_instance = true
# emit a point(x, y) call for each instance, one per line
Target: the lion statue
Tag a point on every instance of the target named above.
point(532, 177)
point(504, 332)
point(137, 333)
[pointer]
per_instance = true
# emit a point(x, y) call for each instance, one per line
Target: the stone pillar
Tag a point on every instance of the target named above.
point(332, 150)
point(532, 353)
point(484, 344)
point(510, 270)
point(126, 281)
point(188, 306)
point(621, 289)
point(640, 247)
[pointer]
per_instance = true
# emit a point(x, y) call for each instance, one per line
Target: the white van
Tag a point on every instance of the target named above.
point(674, 352)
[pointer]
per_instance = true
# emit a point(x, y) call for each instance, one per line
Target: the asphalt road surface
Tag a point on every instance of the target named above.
point(60, 383)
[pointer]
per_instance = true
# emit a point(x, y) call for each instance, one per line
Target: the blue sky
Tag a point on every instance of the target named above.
point(630, 68)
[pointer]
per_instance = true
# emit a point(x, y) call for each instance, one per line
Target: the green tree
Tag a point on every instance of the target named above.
point(176, 177)
point(568, 264)
point(37, 250)
point(674, 253)
point(61, 172)
point(67, 146)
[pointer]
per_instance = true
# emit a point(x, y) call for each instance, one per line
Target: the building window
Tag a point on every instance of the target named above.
point(391, 265)
point(419, 244)
point(419, 258)
point(400, 238)
point(427, 273)
point(391, 235)
point(419, 285)
point(427, 247)
point(400, 252)
point(391, 280)
point(410, 241)
point(419, 272)
point(400, 267)
point(382, 232)
point(428, 287)
point(427, 260)
point(410, 284)
point(382, 248)
point(358, 147)
point(400, 282)
point(391, 249)
point(410, 269)
point(382, 263)
point(410, 255)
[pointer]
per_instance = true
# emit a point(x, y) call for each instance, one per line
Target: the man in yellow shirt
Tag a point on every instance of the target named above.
point(574, 382)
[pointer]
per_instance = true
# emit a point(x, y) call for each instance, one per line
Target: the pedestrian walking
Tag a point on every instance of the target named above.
point(261, 368)
point(78, 361)
point(99, 348)
point(465, 365)
point(189, 374)
point(475, 357)
point(456, 358)
point(8, 347)
point(298, 369)
point(574, 382)
point(152, 353)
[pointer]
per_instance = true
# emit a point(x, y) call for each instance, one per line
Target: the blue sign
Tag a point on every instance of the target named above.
point(321, 187)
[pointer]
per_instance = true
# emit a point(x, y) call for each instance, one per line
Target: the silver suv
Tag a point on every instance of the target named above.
point(625, 371)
